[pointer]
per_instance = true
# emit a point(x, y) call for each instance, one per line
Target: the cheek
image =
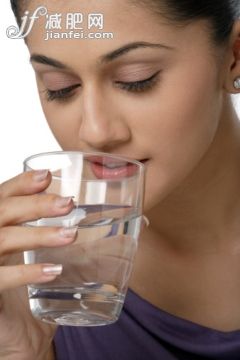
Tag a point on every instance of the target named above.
point(180, 127)
point(63, 122)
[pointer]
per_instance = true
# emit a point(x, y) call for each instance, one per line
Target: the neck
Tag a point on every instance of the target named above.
point(205, 208)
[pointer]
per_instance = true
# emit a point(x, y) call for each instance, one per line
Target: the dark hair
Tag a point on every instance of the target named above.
point(16, 10)
point(220, 13)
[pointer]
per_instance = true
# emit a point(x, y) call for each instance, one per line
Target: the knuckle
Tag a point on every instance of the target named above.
point(49, 202)
point(52, 198)
point(38, 203)
point(42, 204)
point(22, 178)
point(43, 199)
point(21, 182)
point(26, 180)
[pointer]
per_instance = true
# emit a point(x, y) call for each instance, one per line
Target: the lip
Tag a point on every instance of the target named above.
point(104, 160)
point(124, 169)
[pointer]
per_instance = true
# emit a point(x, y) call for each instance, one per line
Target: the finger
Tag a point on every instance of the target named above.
point(26, 183)
point(17, 239)
point(20, 209)
point(15, 276)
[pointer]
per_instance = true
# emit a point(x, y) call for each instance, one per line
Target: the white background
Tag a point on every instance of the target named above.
point(23, 128)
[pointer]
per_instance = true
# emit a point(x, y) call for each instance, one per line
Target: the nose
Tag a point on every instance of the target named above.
point(101, 126)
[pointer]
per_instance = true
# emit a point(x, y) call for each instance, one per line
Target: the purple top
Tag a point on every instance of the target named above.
point(145, 332)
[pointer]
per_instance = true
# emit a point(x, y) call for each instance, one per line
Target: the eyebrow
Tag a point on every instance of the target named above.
point(129, 47)
point(42, 59)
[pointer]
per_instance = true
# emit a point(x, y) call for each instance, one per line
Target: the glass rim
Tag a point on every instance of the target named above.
point(140, 165)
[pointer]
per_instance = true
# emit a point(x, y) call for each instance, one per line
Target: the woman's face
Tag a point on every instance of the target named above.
point(160, 100)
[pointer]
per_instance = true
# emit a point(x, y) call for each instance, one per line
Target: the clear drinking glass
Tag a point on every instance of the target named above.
point(107, 192)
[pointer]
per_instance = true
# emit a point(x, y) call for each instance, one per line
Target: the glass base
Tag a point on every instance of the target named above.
point(84, 306)
point(74, 319)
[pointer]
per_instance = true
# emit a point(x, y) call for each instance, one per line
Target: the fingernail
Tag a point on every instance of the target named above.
point(40, 175)
point(63, 201)
point(52, 269)
point(68, 232)
point(146, 221)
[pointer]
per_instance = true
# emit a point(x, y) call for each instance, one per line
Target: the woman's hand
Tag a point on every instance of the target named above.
point(23, 337)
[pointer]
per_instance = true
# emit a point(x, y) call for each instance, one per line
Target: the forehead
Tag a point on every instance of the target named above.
point(120, 16)
point(124, 20)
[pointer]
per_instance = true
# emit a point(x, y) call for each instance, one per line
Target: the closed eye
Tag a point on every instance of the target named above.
point(133, 86)
point(61, 94)
point(140, 85)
